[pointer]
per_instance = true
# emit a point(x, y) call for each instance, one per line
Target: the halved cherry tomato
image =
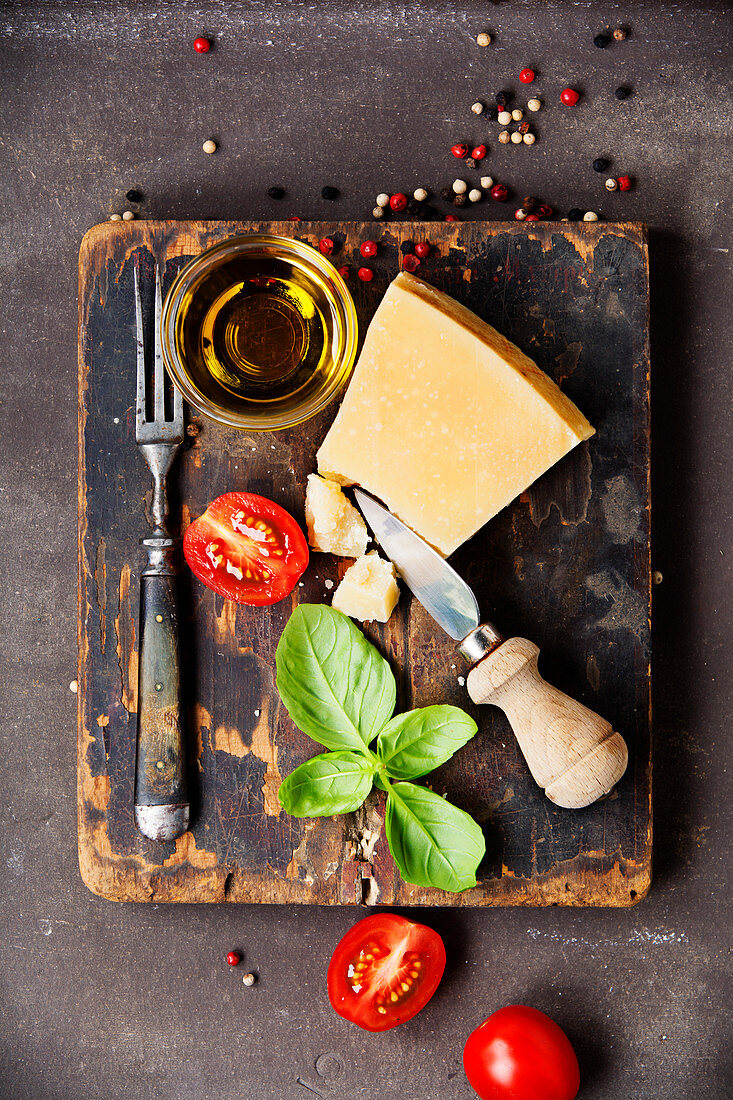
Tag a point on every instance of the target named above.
point(246, 548)
point(384, 970)
point(519, 1053)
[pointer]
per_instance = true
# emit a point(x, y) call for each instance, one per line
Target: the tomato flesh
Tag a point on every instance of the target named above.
point(519, 1053)
point(247, 548)
point(384, 970)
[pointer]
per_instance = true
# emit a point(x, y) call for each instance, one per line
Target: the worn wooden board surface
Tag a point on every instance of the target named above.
point(567, 565)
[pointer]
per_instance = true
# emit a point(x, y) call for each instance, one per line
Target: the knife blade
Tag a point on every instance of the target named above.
point(573, 753)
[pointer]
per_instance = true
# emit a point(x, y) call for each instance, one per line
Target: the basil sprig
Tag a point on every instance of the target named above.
point(341, 692)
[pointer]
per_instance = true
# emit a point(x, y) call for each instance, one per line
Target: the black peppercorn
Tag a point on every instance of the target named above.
point(406, 247)
point(470, 162)
point(529, 203)
point(276, 192)
point(446, 193)
point(601, 41)
point(459, 200)
point(575, 215)
point(601, 164)
point(412, 207)
point(134, 196)
point(622, 92)
point(329, 193)
point(500, 99)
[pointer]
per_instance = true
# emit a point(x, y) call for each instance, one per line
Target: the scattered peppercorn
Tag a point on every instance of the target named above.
point(368, 249)
point(406, 247)
point(459, 200)
point(520, 215)
point(475, 195)
point(201, 45)
point(115, 217)
point(398, 202)
point(501, 99)
point(345, 271)
point(530, 203)
point(575, 215)
point(325, 245)
point(410, 263)
point(601, 164)
point(504, 118)
point(420, 194)
point(624, 183)
point(470, 162)
point(531, 218)
point(505, 137)
point(276, 192)
point(534, 104)
point(382, 199)
point(601, 41)
point(294, 218)
point(209, 146)
point(516, 138)
point(479, 152)
point(527, 76)
point(422, 249)
point(329, 193)
point(487, 182)
point(134, 196)
point(500, 192)
point(483, 39)
point(459, 150)
point(544, 211)
point(529, 139)
point(622, 92)
point(620, 34)
point(460, 187)
point(446, 193)
point(234, 958)
point(477, 108)
point(248, 979)
point(611, 184)
point(569, 97)
point(365, 274)
point(517, 114)
point(452, 217)
point(590, 216)
point(524, 128)
point(378, 213)
point(128, 216)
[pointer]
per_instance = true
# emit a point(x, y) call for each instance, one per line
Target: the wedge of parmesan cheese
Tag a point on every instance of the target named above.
point(334, 524)
point(445, 420)
point(368, 590)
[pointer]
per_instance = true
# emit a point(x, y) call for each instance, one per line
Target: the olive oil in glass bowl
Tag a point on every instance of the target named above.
point(259, 332)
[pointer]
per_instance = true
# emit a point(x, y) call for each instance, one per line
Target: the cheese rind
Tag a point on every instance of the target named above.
point(368, 590)
point(445, 420)
point(334, 524)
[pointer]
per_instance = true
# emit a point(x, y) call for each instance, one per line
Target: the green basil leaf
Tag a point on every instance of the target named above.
point(337, 688)
point(413, 744)
point(432, 842)
point(332, 783)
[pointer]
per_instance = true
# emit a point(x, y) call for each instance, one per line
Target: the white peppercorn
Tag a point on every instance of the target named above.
point(460, 187)
point(248, 979)
point(504, 118)
point(209, 146)
point(483, 39)
point(528, 139)
point(611, 184)
point(534, 104)
point(475, 195)
point(382, 199)
point(378, 212)
point(477, 108)
point(590, 216)
point(517, 114)
point(520, 215)
point(487, 182)
point(504, 137)
point(128, 216)
point(115, 217)
point(420, 194)
point(516, 138)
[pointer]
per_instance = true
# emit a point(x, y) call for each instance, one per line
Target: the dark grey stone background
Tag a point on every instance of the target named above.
point(112, 1001)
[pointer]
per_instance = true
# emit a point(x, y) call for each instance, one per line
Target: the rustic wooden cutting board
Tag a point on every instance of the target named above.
point(567, 565)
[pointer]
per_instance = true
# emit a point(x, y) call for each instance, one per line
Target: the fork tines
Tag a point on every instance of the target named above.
point(154, 429)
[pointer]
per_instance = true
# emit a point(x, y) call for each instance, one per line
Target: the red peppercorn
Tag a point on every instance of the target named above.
point(410, 263)
point(234, 958)
point(422, 249)
point(459, 150)
point(202, 45)
point(499, 192)
point(531, 218)
point(479, 152)
point(398, 202)
point(365, 274)
point(527, 76)
point(569, 97)
point(367, 249)
point(544, 211)
point(293, 218)
point(453, 218)
point(345, 271)
point(325, 245)
point(624, 183)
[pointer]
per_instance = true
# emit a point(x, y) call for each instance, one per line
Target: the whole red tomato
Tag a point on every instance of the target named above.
point(519, 1053)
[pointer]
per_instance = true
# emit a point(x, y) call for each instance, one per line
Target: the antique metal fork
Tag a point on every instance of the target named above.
point(161, 798)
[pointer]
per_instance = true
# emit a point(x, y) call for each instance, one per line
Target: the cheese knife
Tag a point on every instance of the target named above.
point(572, 753)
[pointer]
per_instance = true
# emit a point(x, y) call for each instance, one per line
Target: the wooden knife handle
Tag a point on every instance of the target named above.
point(572, 752)
point(161, 797)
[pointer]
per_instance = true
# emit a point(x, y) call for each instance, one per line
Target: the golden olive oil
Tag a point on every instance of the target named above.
point(259, 334)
